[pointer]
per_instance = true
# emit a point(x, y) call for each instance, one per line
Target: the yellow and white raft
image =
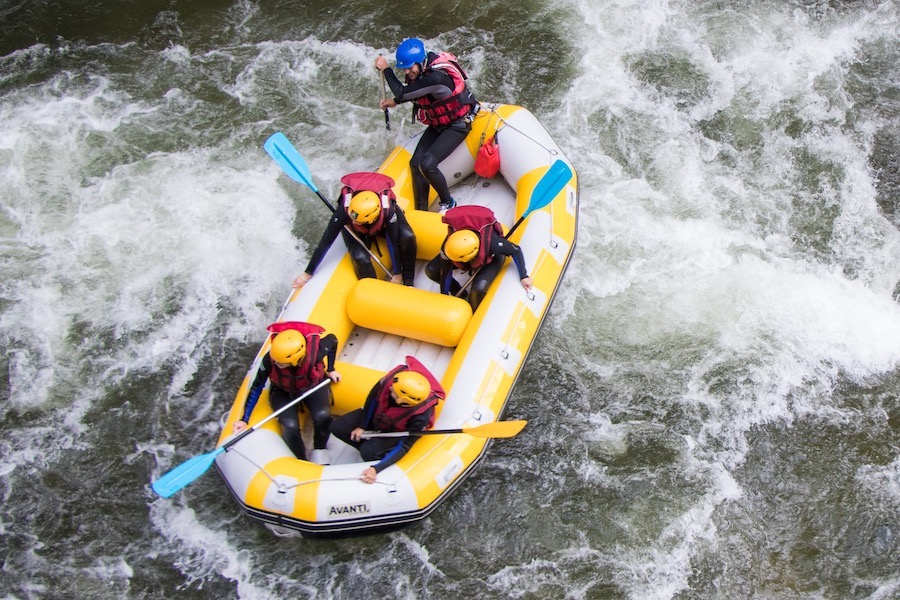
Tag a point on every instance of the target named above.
point(477, 357)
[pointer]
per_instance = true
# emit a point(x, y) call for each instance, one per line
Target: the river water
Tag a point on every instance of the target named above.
point(713, 403)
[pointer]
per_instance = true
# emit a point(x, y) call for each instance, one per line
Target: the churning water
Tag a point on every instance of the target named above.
point(713, 405)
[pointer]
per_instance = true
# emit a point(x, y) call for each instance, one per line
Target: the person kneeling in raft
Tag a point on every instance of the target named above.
point(296, 362)
point(403, 400)
point(368, 208)
point(474, 243)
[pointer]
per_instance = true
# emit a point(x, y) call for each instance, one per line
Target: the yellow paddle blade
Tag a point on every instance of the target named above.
point(497, 429)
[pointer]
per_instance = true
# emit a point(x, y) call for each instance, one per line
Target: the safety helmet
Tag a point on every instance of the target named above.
point(462, 246)
point(364, 207)
point(410, 52)
point(410, 388)
point(288, 347)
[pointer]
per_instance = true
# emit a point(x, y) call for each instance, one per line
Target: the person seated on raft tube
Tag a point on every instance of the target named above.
point(436, 85)
point(369, 207)
point(474, 243)
point(403, 400)
point(296, 361)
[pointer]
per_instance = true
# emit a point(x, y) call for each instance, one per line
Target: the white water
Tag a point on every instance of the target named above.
point(730, 294)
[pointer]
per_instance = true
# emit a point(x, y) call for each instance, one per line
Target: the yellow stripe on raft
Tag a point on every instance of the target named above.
point(299, 499)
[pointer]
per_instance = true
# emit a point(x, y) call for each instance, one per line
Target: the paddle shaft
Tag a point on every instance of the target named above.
point(300, 172)
point(503, 429)
point(387, 114)
point(551, 184)
point(275, 414)
point(188, 471)
point(478, 270)
point(398, 434)
point(356, 237)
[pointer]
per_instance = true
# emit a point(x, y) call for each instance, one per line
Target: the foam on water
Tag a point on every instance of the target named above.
point(683, 239)
point(733, 273)
point(122, 273)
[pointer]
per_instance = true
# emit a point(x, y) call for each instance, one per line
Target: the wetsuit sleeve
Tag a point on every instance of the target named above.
point(328, 351)
point(502, 246)
point(335, 224)
point(432, 82)
point(416, 423)
point(256, 388)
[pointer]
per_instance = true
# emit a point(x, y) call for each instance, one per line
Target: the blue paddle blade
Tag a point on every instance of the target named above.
point(291, 162)
point(185, 473)
point(551, 184)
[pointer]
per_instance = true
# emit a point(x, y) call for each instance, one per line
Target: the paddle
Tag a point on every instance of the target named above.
point(291, 162)
point(387, 115)
point(551, 184)
point(191, 469)
point(497, 429)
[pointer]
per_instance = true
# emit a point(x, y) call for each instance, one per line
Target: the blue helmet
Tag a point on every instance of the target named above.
point(410, 52)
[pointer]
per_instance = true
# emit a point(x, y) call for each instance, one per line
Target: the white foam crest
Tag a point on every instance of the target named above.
point(611, 438)
point(100, 108)
point(421, 554)
point(333, 92)
point(863, 240)
point(303, 67)
point(662, 569)
point(881, 481)
point(786, 55)
point(818, 315)
point(611, 32)
point(131, 269)
point(206, 229)
point(629, 24)
point(518, 581)
point(887, 588)
point(204, 553)
point(167, 239)
point(782, 344)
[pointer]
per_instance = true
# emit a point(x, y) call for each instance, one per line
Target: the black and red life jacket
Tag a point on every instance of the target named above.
point(310, 370)
point(390, 416)
point(455, 106)
point(483, 222)
point(369, 182)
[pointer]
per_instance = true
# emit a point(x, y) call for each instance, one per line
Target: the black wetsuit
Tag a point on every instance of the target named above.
point(318, 403)
point(401, 244)
point(436, 143)
point(386, 450)
point(440, 269)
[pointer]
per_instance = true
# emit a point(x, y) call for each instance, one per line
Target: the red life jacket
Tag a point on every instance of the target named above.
point(483, 222)
point(369, 182)
point(392, 417)
point(309, 371)
point(455, 106)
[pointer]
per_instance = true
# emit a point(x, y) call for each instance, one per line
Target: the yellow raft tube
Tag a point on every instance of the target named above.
point(477, 357)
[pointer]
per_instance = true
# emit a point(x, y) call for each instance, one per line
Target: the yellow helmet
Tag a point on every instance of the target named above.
point(462, 246)
point(288, 347)
point(364, 207)
point(410, 388)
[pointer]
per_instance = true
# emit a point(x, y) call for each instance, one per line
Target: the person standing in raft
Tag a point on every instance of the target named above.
point(436, 85)
point(474, 243)
point(296, 361)
point(403, 400)
point(369, 207)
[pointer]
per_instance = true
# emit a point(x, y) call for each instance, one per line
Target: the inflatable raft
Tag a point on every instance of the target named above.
point(477, 357)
